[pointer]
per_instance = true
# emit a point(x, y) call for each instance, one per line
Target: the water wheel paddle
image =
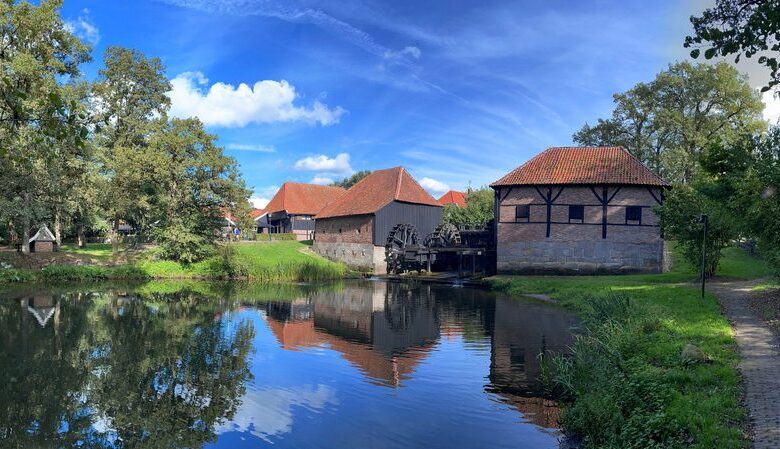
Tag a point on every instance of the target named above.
point(400, 238)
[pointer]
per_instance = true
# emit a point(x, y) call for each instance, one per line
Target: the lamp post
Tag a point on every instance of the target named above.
point(703, 219)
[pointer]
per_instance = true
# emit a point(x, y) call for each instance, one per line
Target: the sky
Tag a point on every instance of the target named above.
point(458, 92)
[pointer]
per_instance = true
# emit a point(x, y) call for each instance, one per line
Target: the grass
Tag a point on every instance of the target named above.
point(279, 261)
point(701, 401)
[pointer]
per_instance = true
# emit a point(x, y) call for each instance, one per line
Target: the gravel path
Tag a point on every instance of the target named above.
point(760, 364)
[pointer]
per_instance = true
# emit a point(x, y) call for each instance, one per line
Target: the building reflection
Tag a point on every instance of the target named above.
point(386, 330)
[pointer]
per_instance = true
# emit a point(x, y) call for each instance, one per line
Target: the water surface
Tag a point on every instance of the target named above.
point(358, 364)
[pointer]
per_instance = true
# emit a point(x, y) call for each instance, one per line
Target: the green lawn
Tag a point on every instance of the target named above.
point(698, 404)
point(279, 261)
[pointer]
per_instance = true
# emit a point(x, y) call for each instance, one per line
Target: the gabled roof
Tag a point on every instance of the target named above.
point(582, 165)
point(376, 191)
point(454, 197)
point(303, 199)
point(257, 213)
point(43, 235)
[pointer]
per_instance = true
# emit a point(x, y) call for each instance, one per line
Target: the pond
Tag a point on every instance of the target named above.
point(355, 364)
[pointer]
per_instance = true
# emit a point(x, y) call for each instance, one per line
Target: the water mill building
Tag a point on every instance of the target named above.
point(579, 210)
point(354, 228)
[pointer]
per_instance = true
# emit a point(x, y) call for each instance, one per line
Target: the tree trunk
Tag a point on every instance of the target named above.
point(115, 237)
point(13, 236)
point(81, 235)
point(26, 228)
point(58, 227)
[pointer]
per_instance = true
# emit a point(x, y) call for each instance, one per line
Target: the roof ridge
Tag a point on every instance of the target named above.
point(398, 182)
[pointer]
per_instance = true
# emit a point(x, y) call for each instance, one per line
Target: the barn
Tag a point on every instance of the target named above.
point(579, 210)
point(294, 206)
point(354, 228)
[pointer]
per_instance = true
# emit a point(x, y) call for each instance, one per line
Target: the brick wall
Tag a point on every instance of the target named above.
point(579, 247)
point(352, 229)
point(360, 256)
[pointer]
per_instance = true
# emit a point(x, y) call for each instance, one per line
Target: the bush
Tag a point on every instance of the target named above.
point(617, 399)
point(228, 264)
point(179, 244)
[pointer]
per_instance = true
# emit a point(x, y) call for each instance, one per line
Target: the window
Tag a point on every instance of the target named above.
point(522, 213)
point(634, 213)
point(576, 214)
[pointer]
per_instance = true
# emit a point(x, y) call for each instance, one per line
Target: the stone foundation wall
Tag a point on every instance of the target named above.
point(580, 257)
point(360, 256)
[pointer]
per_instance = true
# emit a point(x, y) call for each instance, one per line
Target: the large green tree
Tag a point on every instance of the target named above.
point(668, 122)
point(37, 53)
point(195, 185)
point(130, 95)
point(350, 181)
point(740, 28)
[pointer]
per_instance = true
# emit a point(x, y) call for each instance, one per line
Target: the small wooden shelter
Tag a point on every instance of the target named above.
point(43, 241)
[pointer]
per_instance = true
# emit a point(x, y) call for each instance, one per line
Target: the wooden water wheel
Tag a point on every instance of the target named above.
point(445, 235)
point(401, 237)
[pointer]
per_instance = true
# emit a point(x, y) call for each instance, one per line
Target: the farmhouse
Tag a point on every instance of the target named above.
point(453, 197)
point(294, 206)
point(579, 210)
point(354, 228)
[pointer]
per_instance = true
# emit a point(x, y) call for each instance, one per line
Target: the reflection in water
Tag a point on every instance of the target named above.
point(352, 365)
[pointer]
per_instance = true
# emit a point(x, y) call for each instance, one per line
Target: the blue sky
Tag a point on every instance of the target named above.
point(458, 92)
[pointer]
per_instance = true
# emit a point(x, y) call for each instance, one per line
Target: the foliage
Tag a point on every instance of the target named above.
point(350, 181)
point(229, 262)
point(178, 242)
point(739, 27)
point(195, 183)
point(168, 383)
point(680, 220)
point(286, 236)
point(479, 210)
point(669, 121)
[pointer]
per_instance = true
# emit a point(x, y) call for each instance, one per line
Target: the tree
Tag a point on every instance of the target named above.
point(668, 122)
point(479, 210)
point(350, 181)
point(131, 94)
point(195, 184)
point(38, 52)
point(739, 27)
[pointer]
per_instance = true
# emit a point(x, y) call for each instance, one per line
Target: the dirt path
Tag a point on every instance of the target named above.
point(760, 365)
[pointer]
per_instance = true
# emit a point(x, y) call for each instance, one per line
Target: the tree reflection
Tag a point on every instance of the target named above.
point(158, 371)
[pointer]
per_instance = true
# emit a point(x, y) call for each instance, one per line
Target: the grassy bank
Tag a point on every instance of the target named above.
point(627, 383)
point(281, 261)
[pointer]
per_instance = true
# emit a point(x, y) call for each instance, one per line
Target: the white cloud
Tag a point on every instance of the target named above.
point(433, 186)
point(251, 147)
point(259, 203)
point(337, 165)
point(322, 180)
point(771, 107)
point(84, 28)
point(270, 412)
point(267, 101)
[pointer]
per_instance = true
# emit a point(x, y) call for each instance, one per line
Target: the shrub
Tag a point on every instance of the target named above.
point(178, 243)
point(616, 398)
point(228, 264)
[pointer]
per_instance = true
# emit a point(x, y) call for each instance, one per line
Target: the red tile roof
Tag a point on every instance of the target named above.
point(303, 199)
point(454, 197)
point(377, 190)
point(582, 165)
point(255, 213)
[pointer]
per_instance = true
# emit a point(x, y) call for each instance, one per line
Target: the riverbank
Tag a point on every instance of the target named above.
point(281, 261)
point(656, 364)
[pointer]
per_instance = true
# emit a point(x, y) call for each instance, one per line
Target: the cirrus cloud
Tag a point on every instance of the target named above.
point(229, 106)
